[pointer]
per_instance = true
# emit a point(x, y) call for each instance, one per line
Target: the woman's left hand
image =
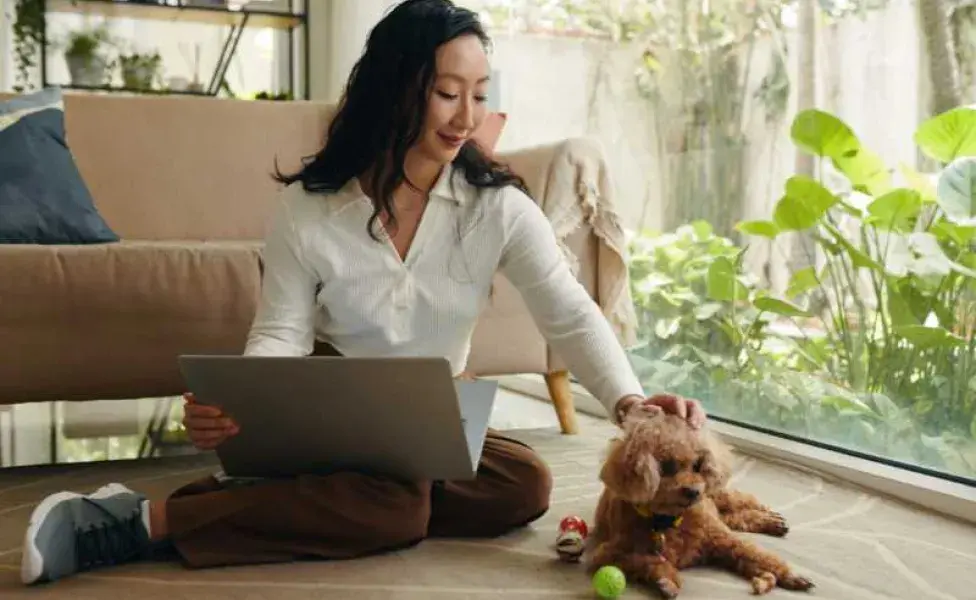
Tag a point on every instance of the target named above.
point(686, 408)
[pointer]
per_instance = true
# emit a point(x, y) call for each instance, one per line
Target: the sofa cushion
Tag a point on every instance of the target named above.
point(43, 199)
point(108, 321)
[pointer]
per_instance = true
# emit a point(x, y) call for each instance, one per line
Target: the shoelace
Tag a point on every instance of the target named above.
point(112, 542)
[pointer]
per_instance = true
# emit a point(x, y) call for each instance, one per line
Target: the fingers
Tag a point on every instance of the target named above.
point(201, 410)
point(652, 409)
point(206, 426)
point(208, 423)
point(688, 409)
point(670, 403)
point(696, 414)
point(208, 439)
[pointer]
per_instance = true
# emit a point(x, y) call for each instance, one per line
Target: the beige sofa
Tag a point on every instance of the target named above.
point(186, 184)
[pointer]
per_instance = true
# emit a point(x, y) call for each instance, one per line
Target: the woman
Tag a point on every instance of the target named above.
point(384, 244)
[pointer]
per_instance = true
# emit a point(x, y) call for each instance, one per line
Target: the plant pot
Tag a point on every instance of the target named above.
point(89, 71)
point(138, 77)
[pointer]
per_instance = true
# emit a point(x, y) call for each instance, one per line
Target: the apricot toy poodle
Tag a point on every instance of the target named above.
point(665, 507)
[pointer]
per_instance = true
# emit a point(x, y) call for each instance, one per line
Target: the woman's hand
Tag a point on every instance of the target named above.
point(207, 426)
point(686, 408)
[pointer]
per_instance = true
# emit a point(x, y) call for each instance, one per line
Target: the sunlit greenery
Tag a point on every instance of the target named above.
point(887, 362)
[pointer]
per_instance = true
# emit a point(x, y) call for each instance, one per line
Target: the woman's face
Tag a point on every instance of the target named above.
point(458, 100)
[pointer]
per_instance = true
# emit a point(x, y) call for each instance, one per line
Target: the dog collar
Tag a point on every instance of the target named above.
point(659, 522)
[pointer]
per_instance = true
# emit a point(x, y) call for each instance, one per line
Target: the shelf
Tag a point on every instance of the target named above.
point(211, 15)
point(117, 90)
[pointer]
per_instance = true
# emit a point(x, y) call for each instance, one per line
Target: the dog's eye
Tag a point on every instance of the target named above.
point(699, 464)
point(669, 468)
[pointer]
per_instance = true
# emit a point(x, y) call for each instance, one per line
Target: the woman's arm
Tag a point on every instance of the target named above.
point(562, 309)
point(285, 321)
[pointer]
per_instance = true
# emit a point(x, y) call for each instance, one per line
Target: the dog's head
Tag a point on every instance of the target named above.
point(663, 464)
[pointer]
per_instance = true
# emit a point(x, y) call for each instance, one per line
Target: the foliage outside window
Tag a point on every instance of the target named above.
point(889, 365)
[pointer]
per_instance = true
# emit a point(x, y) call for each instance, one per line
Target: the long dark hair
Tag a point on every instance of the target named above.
point(381, 113)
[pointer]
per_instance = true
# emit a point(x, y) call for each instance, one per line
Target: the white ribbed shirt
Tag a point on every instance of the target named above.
point(325, 278)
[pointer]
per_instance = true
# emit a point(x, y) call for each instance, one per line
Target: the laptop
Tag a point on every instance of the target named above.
point(405, 418)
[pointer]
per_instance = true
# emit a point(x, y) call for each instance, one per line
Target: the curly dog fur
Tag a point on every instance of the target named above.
point(662, 468)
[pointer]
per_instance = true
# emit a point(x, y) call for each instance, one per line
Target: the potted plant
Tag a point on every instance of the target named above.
point(275, 96)
point(87, 66)
point(28, 30)
point(140, 71)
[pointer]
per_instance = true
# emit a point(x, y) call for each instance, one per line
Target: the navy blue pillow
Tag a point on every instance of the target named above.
point(43, 199)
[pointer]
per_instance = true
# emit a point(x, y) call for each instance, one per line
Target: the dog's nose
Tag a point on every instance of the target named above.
point(691, 493)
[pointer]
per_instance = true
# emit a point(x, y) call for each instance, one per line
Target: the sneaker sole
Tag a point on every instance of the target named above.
point(32, 562)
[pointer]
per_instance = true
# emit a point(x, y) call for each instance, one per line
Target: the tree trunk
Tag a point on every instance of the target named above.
point(803, 252)
point(943, 70)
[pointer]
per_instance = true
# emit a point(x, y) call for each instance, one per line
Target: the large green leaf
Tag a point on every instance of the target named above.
point(779, 307)
point(802, 282)
point(865, 170)
point(703, 230)
point(885, 406)
point(806, 201)
point(723, 282)
point(928, 337)
point(899, 310)
point(948, 136)
point(956, 193)
point(811, 192)
point(960, 234)
point(896, 210)
point(850, 405)
point(923, 407)
point(822, 134)
point(766, 229)
point(791, 215)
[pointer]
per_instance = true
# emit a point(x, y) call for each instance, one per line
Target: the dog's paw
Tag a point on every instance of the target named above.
point(763, 584)
point(795, 583)
point(669, 589)
point(777, 525)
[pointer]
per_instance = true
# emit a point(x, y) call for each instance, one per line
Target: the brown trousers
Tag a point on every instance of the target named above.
point(348, 514)
point(345, 515)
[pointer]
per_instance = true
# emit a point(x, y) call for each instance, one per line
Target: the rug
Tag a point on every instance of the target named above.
point(854, 545)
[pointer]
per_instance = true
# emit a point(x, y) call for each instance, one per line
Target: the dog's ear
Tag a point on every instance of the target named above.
point(648, 472)
point(610, 472)
point(718, 461)
point(629, 471)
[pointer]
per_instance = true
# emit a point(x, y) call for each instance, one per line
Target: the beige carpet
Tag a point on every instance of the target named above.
point(855, 546)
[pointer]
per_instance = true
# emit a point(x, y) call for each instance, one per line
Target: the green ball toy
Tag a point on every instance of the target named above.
point(609, 582)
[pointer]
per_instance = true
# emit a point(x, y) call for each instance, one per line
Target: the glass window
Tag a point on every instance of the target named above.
point(802, 223)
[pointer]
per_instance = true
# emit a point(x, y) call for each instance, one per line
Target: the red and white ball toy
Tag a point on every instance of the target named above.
point(571, 539)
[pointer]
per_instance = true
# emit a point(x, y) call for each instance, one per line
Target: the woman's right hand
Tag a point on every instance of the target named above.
point(207, 426)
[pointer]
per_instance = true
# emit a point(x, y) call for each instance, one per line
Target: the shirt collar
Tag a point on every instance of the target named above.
point(446, 187)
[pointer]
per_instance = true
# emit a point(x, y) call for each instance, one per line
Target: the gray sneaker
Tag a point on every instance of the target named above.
point(70, 532)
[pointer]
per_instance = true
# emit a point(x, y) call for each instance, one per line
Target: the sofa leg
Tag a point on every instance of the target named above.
point(562, 398)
